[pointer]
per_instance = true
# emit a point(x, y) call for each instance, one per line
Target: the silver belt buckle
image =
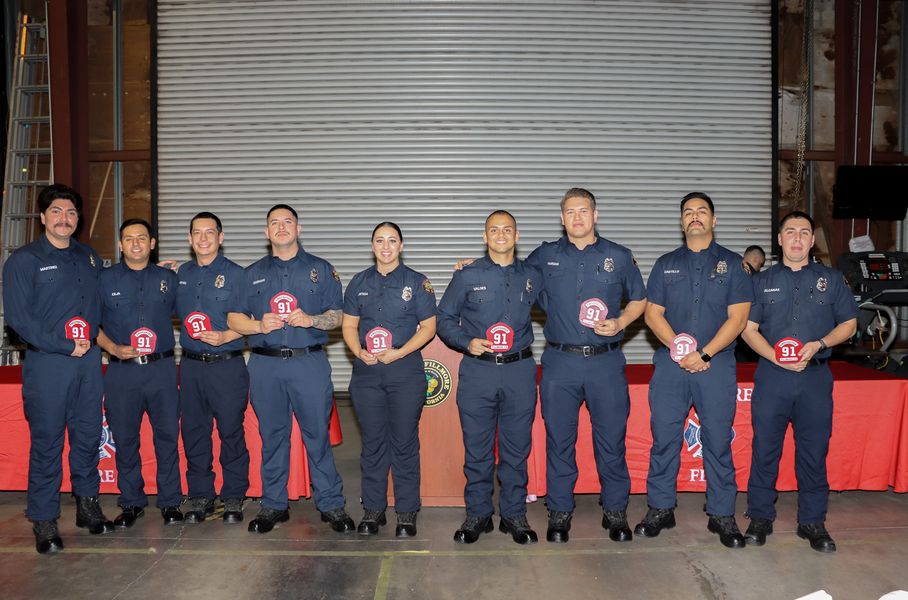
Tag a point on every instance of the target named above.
point(499, 359)
point(141, 360)
point(588, 351)
point(286, 353)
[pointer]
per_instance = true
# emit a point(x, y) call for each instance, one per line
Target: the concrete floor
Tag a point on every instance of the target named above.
point(305, 559)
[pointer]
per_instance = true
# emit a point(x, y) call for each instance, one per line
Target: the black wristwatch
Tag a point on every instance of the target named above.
point(705, 357)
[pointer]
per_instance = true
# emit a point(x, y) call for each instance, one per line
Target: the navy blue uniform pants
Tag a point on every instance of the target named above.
point(280, 389)
point(805, 400)
point(131, 391)
point(61, 393)
point(388, 400)
point(713, 394)
point(491, 396)
point(208, 392)
point(567, 380)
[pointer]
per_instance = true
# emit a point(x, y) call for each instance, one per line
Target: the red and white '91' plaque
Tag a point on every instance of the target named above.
point(196, 324)
point(502, 337)
point(378, 340)
point(77, 328)
point(592, 310)
point(682, 345)
point(787, 350)
point(283, 304)
point(144, 340)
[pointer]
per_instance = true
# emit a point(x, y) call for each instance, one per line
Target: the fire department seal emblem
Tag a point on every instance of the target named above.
point(438, 382)
point(427, 286)
point(721, 267)
point(91, 260)
point(822, 284)
point(529, 287)
point(163, 287)
point(313, 276)
point(407, 294)
point(608, 265)
point(106, 448)
point(219, 281)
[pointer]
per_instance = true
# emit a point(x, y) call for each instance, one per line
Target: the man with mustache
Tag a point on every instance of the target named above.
point(50, 298)
point(699, 297)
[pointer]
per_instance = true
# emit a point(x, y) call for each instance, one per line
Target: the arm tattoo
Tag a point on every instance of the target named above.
point(327, 320)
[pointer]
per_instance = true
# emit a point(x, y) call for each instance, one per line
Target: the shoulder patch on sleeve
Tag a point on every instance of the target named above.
point(427, 285)
point(334, 274)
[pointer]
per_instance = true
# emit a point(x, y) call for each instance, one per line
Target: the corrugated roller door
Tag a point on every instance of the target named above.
point(431, 114)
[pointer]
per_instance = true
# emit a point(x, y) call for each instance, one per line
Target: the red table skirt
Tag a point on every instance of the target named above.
point(14, 447)
point(868, 449)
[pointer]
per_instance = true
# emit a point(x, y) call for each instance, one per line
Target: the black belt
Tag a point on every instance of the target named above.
point(143, 359)
point(30, 348)
point(503, 359)
point(586, 350)
point(816, 362)
point(212, 357)
point(286, 353)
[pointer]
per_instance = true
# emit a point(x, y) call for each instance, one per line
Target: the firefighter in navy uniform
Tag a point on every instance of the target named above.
point(389, 314)
point(137, 306)
point(586, 279)
point(801, 309)
point(699, 297)
point(214, 382)
point(287, 303)
point(50, 299)
point(485, 313)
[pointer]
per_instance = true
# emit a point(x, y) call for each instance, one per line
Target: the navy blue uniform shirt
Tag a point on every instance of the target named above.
point(397, 301)
point(484, 293)
point(133, 299)
point(696, 289)
point(207, 289)
point(805, 304)
point(312, 281)
point(603, 270)
point(44, 287)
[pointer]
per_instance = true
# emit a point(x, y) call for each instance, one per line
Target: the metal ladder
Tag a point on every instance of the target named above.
point(29, 157)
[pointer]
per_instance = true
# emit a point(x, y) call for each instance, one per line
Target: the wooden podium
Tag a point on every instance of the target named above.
point(440, 437)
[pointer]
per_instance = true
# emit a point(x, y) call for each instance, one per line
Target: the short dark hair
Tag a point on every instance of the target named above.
point(206, 215)
point(281, 207)
point(755, 248)
point(58, 191)
point(391, 225)
point(701, 196)
point(501, 212)
point(578, 192)
point(796, 214)
point(142, 222)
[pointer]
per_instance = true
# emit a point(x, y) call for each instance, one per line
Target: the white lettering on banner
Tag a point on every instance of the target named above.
point(48, 268)
point(768, 290)
point(697, 475)
point(744, 394)
point(108, 475)
point(258, 281)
